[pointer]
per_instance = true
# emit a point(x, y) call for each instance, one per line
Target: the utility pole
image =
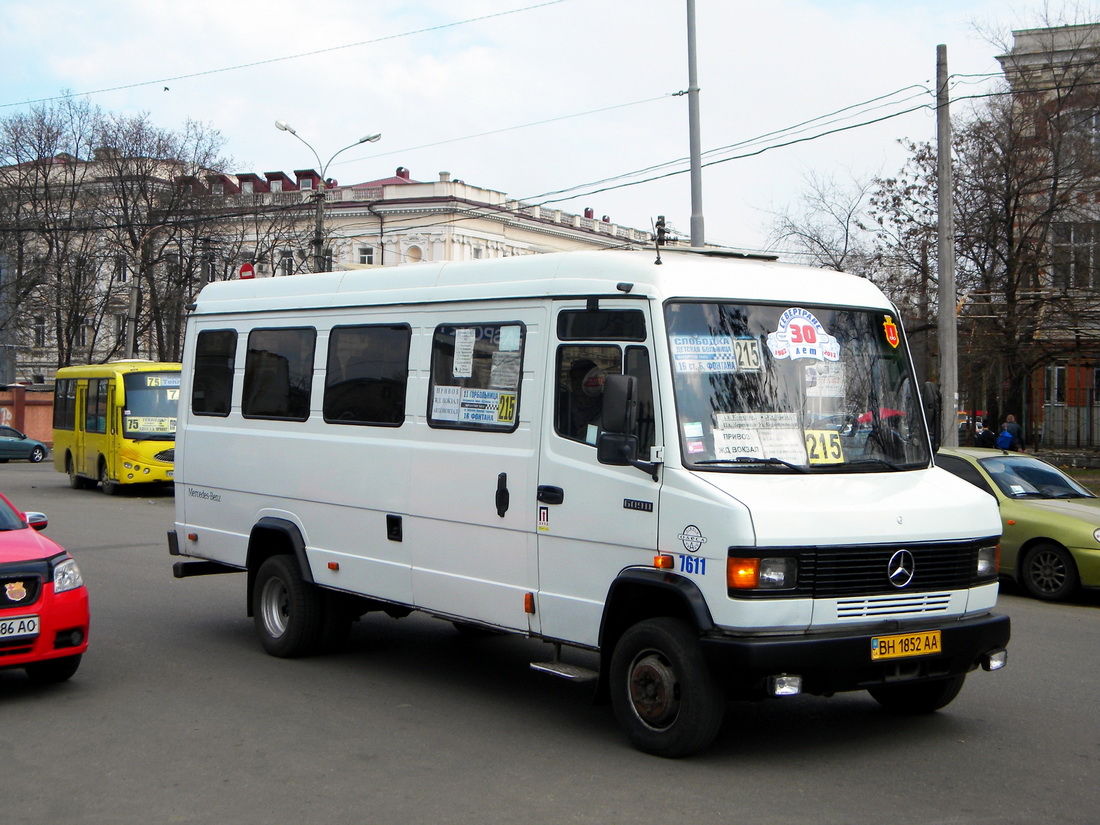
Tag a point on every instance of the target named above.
point(697, 238)
point(948, 322)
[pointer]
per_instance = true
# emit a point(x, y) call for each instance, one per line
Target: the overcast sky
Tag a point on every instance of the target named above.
point(532, 98)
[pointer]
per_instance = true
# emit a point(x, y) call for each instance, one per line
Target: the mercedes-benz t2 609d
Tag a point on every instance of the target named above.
point(713, 470)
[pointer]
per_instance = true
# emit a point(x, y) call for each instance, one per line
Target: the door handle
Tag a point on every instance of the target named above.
point(502, 497)
point(550, 495)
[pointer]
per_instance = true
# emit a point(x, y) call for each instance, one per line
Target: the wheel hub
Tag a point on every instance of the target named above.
point(654, 691)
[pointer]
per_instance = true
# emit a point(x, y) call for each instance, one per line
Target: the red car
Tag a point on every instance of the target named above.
point(43, 601)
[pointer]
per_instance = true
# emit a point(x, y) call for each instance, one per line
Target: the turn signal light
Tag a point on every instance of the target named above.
point(664, 562)
point(742, 574)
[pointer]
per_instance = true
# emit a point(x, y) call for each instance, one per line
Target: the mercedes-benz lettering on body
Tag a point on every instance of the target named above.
point(715, 471)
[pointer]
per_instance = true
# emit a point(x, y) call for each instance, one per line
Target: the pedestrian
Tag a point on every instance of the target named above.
point(1012, 435)
point(984, 435)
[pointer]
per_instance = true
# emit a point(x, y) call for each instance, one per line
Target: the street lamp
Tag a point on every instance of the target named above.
point(319, 196)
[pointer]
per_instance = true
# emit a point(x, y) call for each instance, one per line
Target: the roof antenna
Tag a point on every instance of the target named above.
point(659, 237)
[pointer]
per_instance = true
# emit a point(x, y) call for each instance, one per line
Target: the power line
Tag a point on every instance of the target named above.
point(285, 57)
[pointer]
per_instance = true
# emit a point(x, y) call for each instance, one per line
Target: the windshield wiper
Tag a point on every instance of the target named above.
point(882, 461)
point(752, 459)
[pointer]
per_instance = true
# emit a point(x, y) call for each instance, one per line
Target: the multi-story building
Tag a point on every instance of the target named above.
point(1054, 77)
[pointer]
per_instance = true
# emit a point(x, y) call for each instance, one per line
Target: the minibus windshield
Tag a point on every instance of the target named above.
point(782, 389)
point(151, 401)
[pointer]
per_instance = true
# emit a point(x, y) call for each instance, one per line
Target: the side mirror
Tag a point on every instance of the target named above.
point(36, 520)
point(616, 448)
point(620, 405)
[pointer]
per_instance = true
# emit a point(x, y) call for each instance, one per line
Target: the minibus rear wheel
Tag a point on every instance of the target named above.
point(664, 695)
point(288, 611)
point(77, 482)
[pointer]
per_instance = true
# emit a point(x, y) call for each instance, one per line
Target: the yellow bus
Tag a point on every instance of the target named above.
point(115, 423)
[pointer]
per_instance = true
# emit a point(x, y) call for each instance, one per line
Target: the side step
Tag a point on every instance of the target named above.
point(574, 673)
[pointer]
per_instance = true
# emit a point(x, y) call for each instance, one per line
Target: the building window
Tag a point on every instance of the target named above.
point(276, 185)
point(305, 184)
point(218, 189)
point(1074, 255)
point(286, 262)
point(40, 330)
point(477, 253)
point(326, 259)
point(121, 271)
point(246, 187)
point(366, 255)
point(121, 322)
point(1056, 385)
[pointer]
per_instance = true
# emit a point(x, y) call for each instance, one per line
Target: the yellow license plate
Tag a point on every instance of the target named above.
point(906, 644)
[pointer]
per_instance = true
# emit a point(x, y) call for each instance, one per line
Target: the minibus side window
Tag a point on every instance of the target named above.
point(95, 419)
point(367, 374)
point(64, 404)
point(579, 398)
point(278, 373)
point(601, 325)
point(215, 358)
point(476, 372)
point(578, 403)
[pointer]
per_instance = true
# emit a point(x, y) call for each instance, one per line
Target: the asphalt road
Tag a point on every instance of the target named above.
point(176, 715)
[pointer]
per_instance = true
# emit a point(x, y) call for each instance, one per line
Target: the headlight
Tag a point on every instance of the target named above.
point(988, 561)
point(66, 576)
point(761, 574)
point(1096, 534)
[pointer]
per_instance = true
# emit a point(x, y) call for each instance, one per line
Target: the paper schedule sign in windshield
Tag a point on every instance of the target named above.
point(715, 353)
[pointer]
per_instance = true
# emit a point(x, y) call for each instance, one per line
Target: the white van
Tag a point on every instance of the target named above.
point(712, 469)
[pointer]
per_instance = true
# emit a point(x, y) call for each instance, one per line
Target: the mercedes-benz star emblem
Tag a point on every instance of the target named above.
point(900, 568)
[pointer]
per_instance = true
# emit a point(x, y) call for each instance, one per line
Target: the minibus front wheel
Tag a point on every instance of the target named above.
point(665, 697)
point(108, 486)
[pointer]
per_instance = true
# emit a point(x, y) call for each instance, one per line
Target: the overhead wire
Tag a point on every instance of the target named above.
point(283, 58)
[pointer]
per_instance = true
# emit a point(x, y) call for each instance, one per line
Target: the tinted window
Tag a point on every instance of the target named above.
point(367, 374)
point(95, 418)
point(215, 358)
point(278, 373)
point(964, 470)
point(607, 325)
point(476, 371)
point(64, 404)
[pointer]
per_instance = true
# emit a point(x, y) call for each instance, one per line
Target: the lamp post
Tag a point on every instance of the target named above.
point(319, 196)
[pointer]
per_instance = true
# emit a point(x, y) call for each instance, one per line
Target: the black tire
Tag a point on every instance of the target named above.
point(665, 698)
point(1048, 572)
point(108, 486)
point(37, 454)
point(77, 482)
point(52, 671)
point(914, 698)
point(288, 611)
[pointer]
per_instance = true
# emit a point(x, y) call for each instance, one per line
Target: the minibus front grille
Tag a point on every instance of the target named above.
point(863, 570)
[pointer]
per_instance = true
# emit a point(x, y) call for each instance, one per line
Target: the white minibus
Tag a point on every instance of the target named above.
point(712, 469)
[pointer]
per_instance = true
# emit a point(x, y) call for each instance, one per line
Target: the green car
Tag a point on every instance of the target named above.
point(1051, 540)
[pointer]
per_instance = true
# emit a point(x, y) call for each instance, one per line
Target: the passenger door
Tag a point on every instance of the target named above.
point(471, 530)
point(593, 519)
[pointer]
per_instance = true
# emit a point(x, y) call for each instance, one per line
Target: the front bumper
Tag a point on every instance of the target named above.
point(63, 629)
point(833, 662)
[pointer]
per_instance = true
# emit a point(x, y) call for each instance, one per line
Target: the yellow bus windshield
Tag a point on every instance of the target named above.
point(151, 401)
